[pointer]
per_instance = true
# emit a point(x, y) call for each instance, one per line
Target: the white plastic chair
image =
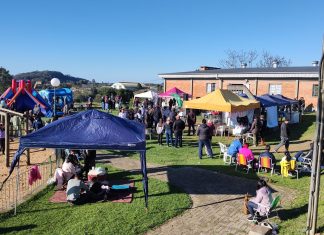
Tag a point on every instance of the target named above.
point(221, 130)
point(223, 151)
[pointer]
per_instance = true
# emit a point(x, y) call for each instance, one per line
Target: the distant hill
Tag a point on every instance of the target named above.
point(46, 76)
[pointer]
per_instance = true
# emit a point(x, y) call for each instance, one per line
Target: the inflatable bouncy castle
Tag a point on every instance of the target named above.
point(22, 97)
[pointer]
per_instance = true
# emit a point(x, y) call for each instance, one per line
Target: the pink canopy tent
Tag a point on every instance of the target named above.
point(172, 91)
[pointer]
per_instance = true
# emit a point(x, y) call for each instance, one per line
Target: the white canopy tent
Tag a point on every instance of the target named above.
point(147, 94)
point(151, 95)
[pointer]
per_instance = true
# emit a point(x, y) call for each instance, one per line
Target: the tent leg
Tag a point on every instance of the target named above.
point(145, 179)
point(17, 190)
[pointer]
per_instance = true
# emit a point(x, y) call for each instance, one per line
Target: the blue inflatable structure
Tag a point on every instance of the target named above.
point(22, 97)
point(62, 96)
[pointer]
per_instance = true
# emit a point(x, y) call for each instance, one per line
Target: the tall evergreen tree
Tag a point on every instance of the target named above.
point(5, 79)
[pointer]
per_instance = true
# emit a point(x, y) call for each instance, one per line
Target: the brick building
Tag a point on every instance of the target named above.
point(292, 82)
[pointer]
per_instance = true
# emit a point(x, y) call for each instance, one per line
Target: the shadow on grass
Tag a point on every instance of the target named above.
point(296, 130)
point(288, 214)
point(194, 180)
point(17, 228)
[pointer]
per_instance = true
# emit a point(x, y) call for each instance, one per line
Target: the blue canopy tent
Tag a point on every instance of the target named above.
point(90, 129)
point(263, 101)
point(277, 101)
point(281, 97)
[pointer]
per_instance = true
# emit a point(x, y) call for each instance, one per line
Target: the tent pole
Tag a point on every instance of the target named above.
point(7, 141)
point(318, 150)
point(17, 189)
point(27, 128)
point(145, 180)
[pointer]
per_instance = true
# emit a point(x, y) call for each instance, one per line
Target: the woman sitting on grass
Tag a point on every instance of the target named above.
point(261, 201)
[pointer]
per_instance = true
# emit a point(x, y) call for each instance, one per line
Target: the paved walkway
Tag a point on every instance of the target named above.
point(217, 198)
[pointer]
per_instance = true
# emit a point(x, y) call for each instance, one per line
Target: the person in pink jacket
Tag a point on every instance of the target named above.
point(248, 155)
point(261, 201)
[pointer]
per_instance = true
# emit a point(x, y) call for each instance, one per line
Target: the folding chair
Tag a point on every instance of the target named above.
point(304, 162)
point(241, 161)
point(273, 207)
point(266, 162)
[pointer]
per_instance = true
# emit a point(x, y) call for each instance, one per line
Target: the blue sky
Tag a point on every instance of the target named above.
point(116, 40)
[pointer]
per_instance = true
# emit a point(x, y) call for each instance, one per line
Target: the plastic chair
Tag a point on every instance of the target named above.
point(289, 166)
point(249, 137)
point(221, 130)
point(223, 151)
point(273, 207)
point(266, 162)
point(241, 161)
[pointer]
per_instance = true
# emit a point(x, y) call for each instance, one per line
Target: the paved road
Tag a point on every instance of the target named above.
point(217, 199)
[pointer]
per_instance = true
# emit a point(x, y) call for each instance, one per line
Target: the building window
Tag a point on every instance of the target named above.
point(210, 87)
point(275, 89)
point(237, 90)
point(315, 90)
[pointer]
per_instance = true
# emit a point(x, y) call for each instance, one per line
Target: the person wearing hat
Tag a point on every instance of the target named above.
point(284, 136)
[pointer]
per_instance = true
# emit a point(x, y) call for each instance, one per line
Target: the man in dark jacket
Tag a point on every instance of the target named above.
point(255, 130)
point(191, 119)
point(284, 136)
point(157, 115)
point(178, 128)
point(204, 139)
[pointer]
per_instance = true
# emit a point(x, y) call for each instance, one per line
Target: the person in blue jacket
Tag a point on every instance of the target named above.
point(234, 148)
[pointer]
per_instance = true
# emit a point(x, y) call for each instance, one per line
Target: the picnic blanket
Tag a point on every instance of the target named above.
point(115, 195)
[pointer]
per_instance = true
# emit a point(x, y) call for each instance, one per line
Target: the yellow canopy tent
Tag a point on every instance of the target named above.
point(222, 100)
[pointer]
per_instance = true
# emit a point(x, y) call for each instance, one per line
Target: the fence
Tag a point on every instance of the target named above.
point(17, 189)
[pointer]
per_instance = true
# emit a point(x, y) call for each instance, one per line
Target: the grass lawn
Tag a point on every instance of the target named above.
point(293, 216)
point(39, 216)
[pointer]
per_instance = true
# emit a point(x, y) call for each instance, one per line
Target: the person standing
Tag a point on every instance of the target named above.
point(89, 160)
point(169, 132)
point(191, 119)
point(263, 128)
point(170, 103)
point(284, 136)
point(255, 130)
point(159, 131)
point(204, 139)
point(157, 115)
point(178, 128)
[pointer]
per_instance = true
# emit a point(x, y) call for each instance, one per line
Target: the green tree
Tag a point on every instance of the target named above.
point(5, 79)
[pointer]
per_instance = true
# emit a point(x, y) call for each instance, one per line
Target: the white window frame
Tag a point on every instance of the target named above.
point(210, 87)
point(275, 89)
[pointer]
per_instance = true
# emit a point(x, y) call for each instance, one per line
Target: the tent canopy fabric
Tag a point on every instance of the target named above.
point(147, 94)
point(90, 129)
point(291, 101)
point(222, 100)
point(277, 100)
point(263, 102)
point(174, 90)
